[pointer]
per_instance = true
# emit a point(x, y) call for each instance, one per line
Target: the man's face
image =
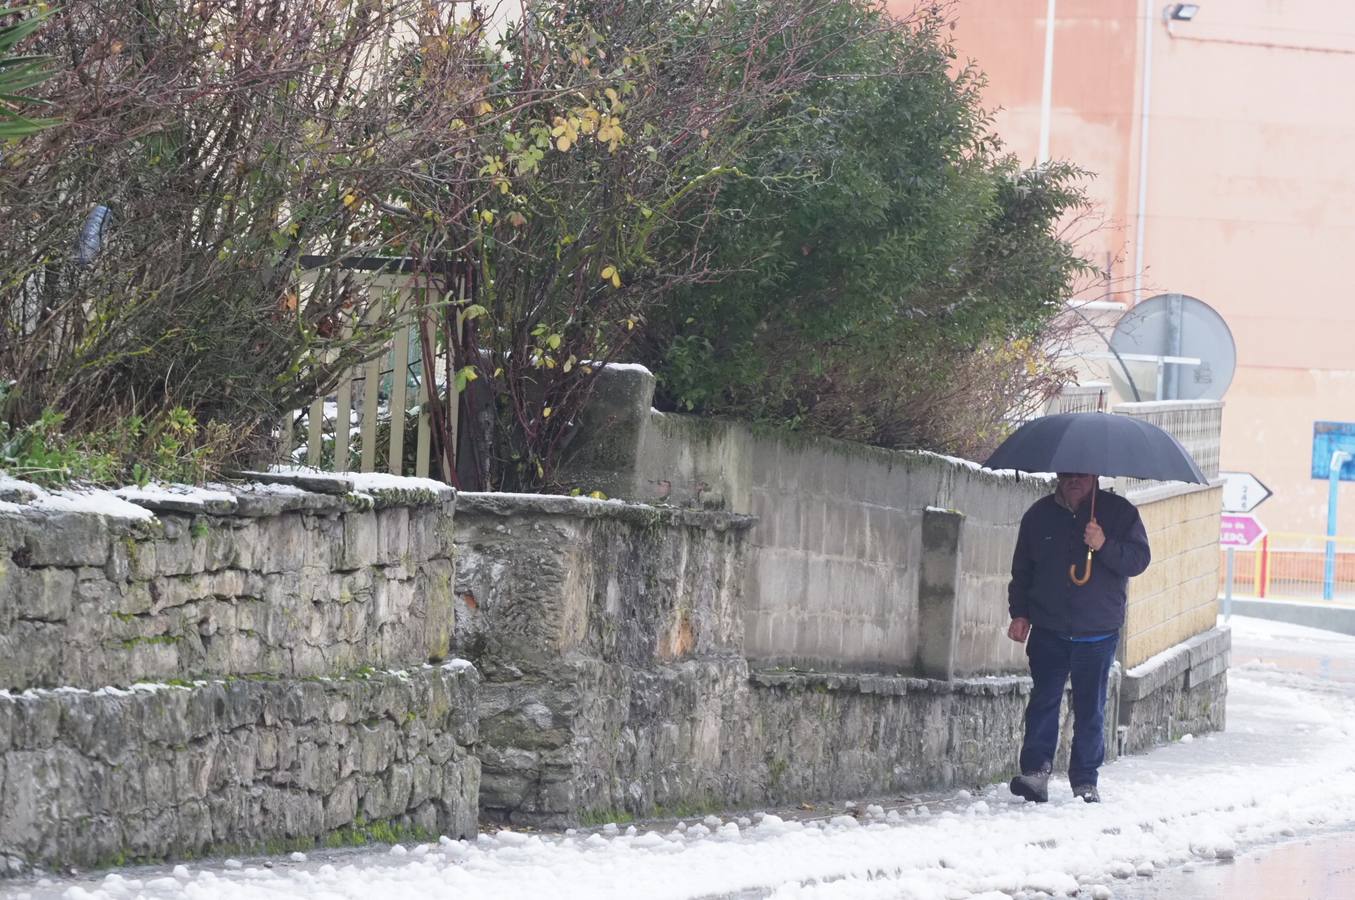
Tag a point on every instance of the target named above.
point(1075, 487)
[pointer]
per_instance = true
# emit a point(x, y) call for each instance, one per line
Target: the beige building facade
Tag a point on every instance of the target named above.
point(1240, 193)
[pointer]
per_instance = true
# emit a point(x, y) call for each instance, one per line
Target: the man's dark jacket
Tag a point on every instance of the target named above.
point(1051, 540)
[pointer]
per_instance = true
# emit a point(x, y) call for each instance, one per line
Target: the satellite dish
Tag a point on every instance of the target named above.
point(1172, 347)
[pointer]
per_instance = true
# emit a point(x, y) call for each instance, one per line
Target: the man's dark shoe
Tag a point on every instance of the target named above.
point(1033, 786)
point(1087, 792)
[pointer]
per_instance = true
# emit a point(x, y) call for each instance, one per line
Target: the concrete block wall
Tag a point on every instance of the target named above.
point(247, 672)
point(833, 566)
point(1176, 598)
point(835, 556)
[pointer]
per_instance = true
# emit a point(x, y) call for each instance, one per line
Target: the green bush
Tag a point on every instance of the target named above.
point(881, 247)
point(171, 447)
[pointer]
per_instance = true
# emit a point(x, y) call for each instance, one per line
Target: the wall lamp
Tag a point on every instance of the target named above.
point(1180, 12)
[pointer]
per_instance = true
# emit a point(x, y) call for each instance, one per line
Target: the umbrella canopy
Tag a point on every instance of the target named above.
point(1097, 444)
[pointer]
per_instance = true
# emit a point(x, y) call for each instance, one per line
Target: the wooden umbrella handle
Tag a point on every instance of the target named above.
point(1086, 569)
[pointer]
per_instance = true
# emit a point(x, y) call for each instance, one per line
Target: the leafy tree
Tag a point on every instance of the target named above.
point(792, 209)
point(154, 240)
point(602, 198)
point(884, 246)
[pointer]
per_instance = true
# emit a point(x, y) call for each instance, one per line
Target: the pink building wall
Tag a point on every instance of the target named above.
point(1250, 202)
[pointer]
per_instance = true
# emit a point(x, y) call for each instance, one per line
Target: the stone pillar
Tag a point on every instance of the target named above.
point(604, 450)
point(938, 606)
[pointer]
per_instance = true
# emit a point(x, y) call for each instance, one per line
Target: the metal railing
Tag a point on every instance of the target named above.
point(1292, 566)
point(1197, 424)
point(1093, 396)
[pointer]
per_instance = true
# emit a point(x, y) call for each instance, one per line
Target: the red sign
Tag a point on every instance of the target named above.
point(1239, 531)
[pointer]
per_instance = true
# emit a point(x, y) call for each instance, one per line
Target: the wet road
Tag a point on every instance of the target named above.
point(1315, 867)
point(1320, 868)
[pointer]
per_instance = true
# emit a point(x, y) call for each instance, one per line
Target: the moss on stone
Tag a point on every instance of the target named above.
point(591, 818)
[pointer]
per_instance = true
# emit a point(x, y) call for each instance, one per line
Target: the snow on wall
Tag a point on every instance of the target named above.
point(234, 666)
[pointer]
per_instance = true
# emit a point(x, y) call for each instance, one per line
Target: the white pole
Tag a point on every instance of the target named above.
point(1047, 92)
point(1149, 23)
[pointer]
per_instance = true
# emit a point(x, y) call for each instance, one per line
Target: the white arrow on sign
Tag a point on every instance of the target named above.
point(1242, 492)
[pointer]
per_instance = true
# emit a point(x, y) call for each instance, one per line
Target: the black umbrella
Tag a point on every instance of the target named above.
point(1096, 444)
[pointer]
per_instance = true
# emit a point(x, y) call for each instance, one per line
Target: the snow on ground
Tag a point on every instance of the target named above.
point(1283, 768)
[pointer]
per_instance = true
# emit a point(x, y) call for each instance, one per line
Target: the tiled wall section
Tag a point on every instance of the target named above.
point(1178, 596)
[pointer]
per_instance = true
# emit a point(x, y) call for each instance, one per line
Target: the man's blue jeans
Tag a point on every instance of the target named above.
point(1053, 660)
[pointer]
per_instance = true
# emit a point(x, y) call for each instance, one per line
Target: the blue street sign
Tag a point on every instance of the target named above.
point(1329, 437)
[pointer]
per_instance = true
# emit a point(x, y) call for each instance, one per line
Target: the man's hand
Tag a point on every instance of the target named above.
point(1019, 630)
point(1094, 536)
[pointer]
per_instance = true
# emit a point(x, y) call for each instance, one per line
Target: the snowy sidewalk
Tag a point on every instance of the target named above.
point(1284, 767)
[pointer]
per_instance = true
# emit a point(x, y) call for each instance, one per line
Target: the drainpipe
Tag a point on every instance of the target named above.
point(1149, 23)
point(1338, 459)
point(1047, 92)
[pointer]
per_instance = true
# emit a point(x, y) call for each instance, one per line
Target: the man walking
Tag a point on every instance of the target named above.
point(1071, 622)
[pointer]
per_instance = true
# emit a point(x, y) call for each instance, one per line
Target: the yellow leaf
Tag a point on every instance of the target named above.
point(487, 216)
point(350, 199)
point(608, 272)
point(563, 143)
point(611, 95)
point(569, 363)
point(484, 106)
point(616, 279)
point(597, 495)
point(545, 413)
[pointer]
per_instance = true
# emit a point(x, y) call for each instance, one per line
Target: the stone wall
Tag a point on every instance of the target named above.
point(609, 639)
point(172, 771)
point(841, 735)
point(610, 643)
point(288, 583)
point(1180, 691)
point(242, 668)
